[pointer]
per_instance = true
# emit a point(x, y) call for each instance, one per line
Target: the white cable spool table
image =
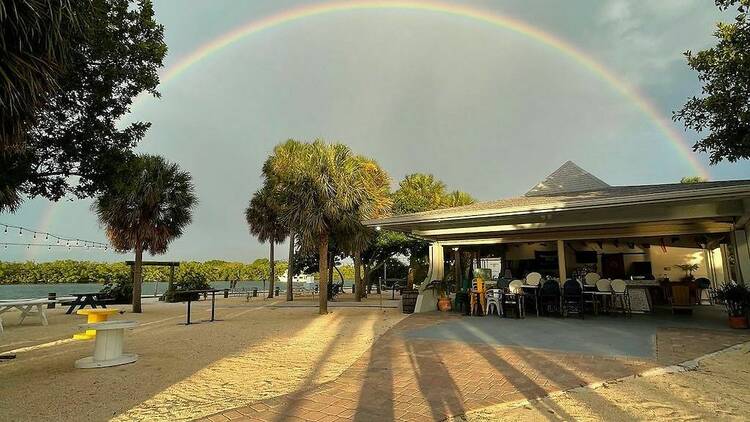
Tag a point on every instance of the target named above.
point(108, 345)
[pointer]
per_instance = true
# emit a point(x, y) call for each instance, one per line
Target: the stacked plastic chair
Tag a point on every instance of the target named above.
point(494, 299)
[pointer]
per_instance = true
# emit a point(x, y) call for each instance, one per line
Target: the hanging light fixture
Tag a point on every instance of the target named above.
point(20, 232)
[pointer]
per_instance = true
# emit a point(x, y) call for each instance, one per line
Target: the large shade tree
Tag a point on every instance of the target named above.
point(77, 135)
point(264, 220)
point(723, 111)
point(146, 205)
point(420, 192)
point(322, 188)
point(36, 38)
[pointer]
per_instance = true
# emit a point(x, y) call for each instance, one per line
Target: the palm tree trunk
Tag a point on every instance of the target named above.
point(358, 285)
point(271, 271)
point(323, 273)
point(290, 270)
point(137, 278)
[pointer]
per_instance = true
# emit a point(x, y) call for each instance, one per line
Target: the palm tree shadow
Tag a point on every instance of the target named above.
point(443, 396)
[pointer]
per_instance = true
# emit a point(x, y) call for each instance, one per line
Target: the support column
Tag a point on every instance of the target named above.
point(457, 268)
point(427, 299)
point(561, 261)
point(725, 268)
point(742, 252)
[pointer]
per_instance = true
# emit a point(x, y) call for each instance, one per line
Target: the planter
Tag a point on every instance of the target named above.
point(444, 304)
point(408, 300)
point(738, 322)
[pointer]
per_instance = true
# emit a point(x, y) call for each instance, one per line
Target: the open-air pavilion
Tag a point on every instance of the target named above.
point(573, 223)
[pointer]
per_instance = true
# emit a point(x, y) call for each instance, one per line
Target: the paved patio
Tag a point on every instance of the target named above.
point(433, 366)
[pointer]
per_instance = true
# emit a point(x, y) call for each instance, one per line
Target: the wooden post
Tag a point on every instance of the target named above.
point(561, 261)
point(725, 268)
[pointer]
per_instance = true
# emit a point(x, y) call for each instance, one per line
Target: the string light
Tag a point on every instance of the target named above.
point(59, 241)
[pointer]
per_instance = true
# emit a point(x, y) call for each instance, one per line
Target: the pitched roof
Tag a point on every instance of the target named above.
point(568, 178)
point(608, 196)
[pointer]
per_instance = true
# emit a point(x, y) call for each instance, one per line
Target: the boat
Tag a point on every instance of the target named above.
point(301, 281)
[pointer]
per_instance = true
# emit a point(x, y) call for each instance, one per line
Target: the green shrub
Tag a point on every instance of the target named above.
point(188, 279)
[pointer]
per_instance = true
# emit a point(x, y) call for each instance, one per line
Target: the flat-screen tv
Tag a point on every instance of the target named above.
point(586, 257)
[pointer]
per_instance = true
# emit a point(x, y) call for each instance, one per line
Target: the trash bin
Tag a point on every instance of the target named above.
point(255, 292)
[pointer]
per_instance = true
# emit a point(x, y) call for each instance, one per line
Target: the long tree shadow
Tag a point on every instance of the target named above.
point(524, 385)
point(294, 400)
point(443, 396)
point(376, 397)
point(567, 378)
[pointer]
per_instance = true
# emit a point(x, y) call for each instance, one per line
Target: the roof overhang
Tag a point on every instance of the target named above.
point(703, 210)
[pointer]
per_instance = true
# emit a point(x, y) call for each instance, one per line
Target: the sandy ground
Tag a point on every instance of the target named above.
point(256, 351)
point(716, 390)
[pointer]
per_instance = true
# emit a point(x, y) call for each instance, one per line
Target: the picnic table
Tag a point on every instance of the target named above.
point(204, 292)
point(83, 299)
point(26, 306)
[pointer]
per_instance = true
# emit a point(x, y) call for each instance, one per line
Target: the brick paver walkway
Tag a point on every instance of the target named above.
point(408, 379)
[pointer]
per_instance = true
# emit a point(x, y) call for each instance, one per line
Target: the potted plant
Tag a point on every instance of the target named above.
point(736, 297)
point(688, 268)
point(440, 287)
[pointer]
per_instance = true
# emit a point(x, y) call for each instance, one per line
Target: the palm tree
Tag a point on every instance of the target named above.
point(323, 188)
point(147, 206)
point(262, 215)
point(457, 198)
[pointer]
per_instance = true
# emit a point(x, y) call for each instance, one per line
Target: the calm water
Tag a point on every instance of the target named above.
point(28, 291)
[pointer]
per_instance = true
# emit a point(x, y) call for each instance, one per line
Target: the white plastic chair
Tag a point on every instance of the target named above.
point(533, 279)
point(591, 279)
point(604, 285)
point(515, 297)
point(515, 287)
point(494, 296)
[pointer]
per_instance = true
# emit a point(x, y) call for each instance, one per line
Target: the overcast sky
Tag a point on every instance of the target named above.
point(485, 109)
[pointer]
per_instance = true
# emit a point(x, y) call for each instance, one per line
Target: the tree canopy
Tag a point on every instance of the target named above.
point(76, 137)
point(723, 111)
point(36, 39)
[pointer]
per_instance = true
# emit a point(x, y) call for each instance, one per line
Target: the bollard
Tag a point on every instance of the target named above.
point(51, 296)
point(278, 289)
point(255, 292)
point(226, 293)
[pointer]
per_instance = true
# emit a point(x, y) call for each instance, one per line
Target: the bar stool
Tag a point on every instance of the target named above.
point(620, 294)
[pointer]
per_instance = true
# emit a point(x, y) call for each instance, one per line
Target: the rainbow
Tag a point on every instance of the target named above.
point(641, 101)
